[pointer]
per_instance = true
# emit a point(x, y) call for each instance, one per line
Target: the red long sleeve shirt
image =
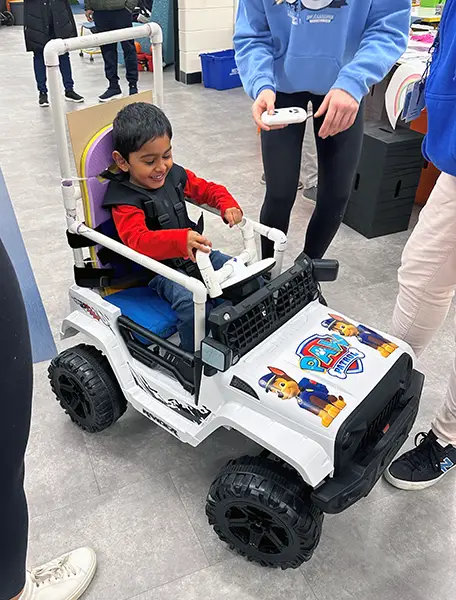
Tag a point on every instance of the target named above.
point(131, 225)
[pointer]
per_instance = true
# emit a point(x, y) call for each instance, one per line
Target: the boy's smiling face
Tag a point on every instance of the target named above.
point(149, 166)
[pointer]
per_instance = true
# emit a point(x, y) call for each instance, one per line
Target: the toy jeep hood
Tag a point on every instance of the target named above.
point(318, 367)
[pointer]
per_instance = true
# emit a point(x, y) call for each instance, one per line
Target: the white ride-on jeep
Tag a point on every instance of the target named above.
point(329, 400)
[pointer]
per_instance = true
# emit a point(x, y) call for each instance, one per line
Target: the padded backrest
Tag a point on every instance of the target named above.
point(96, 158)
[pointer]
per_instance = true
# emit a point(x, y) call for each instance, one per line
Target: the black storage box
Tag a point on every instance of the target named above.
point(374, 102)
point(17, 8)
point(386, 180)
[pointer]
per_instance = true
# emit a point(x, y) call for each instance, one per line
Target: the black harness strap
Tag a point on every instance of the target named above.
point(164, 209)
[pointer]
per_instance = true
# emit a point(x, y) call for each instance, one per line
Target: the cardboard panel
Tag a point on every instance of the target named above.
point(83, 124)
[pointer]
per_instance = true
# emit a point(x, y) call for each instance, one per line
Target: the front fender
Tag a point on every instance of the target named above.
point(103, 338)
point(303, 454)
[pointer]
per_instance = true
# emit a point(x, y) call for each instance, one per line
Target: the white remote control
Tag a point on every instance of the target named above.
point(284, 116)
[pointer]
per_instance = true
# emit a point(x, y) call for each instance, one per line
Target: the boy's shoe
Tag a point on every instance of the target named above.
point(72, 96)
point(423, 466)
point(110, 94)
point(263, 181)
point(65, 578)
point(133, 90)
point(43, 100)
point(310, 193)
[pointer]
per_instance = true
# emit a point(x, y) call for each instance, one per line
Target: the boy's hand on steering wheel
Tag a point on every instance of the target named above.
point(341, 110)
point(233, 216)
point(196, 241)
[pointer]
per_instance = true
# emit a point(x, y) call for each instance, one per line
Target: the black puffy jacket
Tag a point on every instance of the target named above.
point(45, 20)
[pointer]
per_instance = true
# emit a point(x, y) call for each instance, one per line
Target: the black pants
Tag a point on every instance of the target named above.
point(15, 408)
point(41, 75)
point(338, 158)
point(109, 20)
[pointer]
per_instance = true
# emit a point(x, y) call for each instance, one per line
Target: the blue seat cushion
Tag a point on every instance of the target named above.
point(143, 306)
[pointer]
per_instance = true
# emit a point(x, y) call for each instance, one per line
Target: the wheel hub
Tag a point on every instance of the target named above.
point(257, 529)
point(74, 396)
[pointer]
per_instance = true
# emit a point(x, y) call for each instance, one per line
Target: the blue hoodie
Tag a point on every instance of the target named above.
point(440, 142)
point(316, 45)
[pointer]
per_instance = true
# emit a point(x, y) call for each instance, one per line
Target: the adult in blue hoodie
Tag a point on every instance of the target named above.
point(427, 277)
point(328, 52)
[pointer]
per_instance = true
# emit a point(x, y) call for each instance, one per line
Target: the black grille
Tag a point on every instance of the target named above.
point(245, 325)
point(364, 427)
point(376, 429)
point(241, 385)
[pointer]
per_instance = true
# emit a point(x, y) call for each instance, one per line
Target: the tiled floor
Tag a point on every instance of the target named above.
point(136, 494)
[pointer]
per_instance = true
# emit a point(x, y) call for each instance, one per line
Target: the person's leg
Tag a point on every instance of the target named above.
point(68, 83)
point(281, 150)
point(310, 160)
point(65, 70)
point(181, 301)
point(67, 577)
point(427, 282)
point(40, 71)
point(131, 61)
point(338, 158)
point(218, 259)
point(427, 276)
point(15, 403)
point(104, 22)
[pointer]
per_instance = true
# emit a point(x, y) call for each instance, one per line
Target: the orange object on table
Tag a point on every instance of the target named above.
point(430, 173)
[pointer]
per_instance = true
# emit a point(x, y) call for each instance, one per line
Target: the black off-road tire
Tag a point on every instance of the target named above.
point(262, 509)
point(86, 388)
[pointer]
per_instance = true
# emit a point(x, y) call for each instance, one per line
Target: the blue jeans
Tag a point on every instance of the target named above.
point(181, 301)
point(40, 71)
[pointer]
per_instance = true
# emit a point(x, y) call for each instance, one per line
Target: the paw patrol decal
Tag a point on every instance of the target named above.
point(330, 354)
point(363, 334)
point(310, 395)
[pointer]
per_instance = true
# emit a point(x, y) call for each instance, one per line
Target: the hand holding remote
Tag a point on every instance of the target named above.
point(284, 116)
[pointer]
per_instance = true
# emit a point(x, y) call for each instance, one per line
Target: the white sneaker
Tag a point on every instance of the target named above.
point(65, 578)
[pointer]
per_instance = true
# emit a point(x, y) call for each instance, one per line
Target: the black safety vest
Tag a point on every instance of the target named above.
point(164, 208)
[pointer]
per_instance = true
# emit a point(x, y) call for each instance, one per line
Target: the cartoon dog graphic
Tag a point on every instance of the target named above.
point(310, 395)
point(363, 334)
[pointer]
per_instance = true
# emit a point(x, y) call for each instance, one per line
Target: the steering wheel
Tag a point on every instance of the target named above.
point(237, 272)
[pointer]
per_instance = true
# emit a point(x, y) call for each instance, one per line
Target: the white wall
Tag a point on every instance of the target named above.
point(204, 26)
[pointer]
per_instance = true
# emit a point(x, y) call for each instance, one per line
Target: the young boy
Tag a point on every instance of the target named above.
point(148, 206)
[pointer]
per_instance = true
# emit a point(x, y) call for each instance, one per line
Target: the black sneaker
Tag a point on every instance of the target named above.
point(133, 90)
point(110, 94)
point(423, 466)
point(43, 100)
point(72, 96)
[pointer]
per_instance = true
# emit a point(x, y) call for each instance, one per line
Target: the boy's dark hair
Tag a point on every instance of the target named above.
point(136, 124)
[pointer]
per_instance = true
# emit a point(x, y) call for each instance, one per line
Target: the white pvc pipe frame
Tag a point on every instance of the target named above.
point(52, 51)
